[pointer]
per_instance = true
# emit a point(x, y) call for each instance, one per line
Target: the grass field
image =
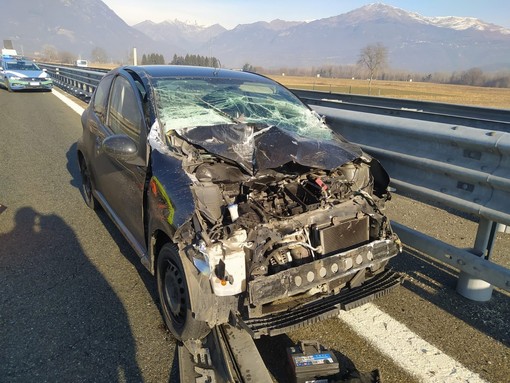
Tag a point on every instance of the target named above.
point(424, 91)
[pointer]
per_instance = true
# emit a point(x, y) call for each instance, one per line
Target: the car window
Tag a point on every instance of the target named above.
point(124, 113)
point(101, 98)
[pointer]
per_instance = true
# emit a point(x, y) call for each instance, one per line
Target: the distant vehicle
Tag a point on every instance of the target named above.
point(82, 63)
point(238, 197)
point(18, 74)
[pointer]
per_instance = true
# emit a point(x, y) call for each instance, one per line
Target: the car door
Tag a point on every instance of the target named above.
point(120, 181)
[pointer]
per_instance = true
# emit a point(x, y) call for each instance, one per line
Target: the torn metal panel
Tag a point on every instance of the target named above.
point(173, 190)
point(258, 148)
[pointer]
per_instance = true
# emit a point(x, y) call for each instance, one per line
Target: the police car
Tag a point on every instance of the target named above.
point(19, 73)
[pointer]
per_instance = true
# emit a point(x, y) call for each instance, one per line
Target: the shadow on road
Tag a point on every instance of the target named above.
point(147, 279)
point(73, 167)
point(59, 318)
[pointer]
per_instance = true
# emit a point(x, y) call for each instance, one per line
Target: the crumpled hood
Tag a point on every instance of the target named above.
point(257, 148)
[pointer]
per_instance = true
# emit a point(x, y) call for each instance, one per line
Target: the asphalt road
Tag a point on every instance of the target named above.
point(76, 304)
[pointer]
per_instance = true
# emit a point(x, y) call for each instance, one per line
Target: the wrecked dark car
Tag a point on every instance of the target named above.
point(241, 201)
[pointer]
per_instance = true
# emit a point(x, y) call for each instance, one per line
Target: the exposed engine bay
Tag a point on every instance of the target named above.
point(250, 229)
point(278, 212)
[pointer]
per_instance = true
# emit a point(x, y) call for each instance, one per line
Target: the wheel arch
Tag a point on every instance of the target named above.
point(82, 158)
point(205, 304)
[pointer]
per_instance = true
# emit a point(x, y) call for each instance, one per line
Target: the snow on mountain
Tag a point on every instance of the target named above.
point(452, 22)
point(463, 23)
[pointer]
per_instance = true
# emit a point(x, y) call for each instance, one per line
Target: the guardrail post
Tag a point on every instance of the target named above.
point(467, 285)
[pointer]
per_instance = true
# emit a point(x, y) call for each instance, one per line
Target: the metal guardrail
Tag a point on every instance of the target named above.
point(476, 117)
point(78, 81)
point(456, 155)
point(461, 167)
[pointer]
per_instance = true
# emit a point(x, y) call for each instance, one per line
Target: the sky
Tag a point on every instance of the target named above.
point(230, 13)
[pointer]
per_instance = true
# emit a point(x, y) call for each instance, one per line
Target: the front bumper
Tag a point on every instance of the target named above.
point(324, 271)
point(281, 323)
point(21, 84)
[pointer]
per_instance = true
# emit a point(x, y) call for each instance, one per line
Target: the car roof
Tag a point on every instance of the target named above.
point(8, 58)
point(192, 71)
point(15, 59)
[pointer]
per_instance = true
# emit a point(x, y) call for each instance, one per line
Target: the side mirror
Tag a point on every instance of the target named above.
point(45, 70)
point(120, 147)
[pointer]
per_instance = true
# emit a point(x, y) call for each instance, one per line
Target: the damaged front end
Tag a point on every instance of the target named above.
point(283, 219)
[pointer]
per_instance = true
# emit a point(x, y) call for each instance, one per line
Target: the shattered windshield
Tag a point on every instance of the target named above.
point(200, 102)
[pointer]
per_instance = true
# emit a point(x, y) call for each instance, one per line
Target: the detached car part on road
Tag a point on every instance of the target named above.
point(237, 196)
point(20, 74)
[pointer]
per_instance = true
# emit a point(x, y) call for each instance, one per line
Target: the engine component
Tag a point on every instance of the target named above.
point(227, 264)
point(342, 236)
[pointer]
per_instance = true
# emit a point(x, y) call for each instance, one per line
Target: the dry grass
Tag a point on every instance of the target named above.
point(451, 94)
point(423, 91)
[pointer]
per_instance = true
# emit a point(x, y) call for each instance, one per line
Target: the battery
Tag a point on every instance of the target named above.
point(310, 362)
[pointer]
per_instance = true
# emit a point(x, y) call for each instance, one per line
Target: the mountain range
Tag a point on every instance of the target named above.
point(414, 42)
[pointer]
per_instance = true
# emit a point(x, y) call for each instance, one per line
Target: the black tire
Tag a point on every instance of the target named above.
point(86, 185)
point(175, 298)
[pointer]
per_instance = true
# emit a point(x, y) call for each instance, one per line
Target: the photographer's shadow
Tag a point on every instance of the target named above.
point(60, 319)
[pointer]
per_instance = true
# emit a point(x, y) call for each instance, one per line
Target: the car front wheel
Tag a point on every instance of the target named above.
point(173, 290)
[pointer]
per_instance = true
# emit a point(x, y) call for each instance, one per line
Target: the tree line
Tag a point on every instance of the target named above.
point(473, 76)
point(153, 59)
point(196, 60)
point(189, 59)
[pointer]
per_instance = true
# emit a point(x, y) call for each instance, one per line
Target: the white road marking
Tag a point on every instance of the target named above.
point(416, 356)
point(62, 97)
point(413, 354)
